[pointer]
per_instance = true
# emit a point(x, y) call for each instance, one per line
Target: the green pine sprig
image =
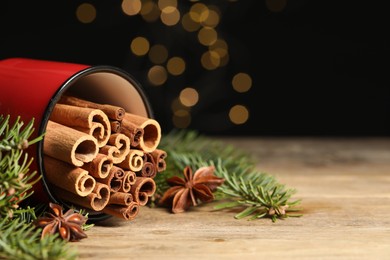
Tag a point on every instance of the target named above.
point(258, 194)
point(254, 193)
point(15, 179)
point(19, 238)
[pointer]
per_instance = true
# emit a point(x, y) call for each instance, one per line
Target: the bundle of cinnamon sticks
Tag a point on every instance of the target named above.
point(101, 157)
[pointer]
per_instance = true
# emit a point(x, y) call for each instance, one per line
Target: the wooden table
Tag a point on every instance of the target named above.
point(344, 185)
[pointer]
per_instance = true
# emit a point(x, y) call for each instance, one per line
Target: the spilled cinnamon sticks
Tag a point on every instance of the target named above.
point(101, 157)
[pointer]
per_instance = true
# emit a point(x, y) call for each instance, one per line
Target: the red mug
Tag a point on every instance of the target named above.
point(31, 88)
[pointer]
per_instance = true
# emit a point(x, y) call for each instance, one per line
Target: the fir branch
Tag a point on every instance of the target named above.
point(257, 194)
point(21, 240)
point(15, 179)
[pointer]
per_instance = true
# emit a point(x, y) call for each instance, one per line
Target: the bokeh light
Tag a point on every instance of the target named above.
point(170, 15)
point(210, 60)
point(181, 118)
point(189, 97)
point(150, 11)
point(188, 24)
point(86, 13)
point(158, 54)
point(199, 12)
point(139, 46)
point(238, 114)
point(207, 36)
point(157, 75)
point(176, 66)
point(212, 19)
point(165, 3)
point(242, 82)
point(131, 7)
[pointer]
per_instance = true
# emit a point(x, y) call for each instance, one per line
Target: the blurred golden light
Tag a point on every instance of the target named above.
point(157, 75)
point(212, 19)
point(131, 7)
point(223, 61)
point(139, 46)
point(199, 12)
point(210, 60)
point(189, 97)
point(242, 82)
point(170, 15)
point(86, 13)
point(176, 66)
point(276, 5)
point(238, 114)
point(177, 105)
point(150, 11)
point(207, 36)
point(158, 54)
point(181, 118)
point(165, 3)
point(188, 24)
point(219, 46)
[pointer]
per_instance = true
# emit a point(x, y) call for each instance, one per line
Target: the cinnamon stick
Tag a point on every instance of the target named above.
point(149, 168)
point(159, 159)
point(100, 166)
point(128, 180)
point(68, 177)
point(152, 131)
point(117, 148)
point(133, 131)
point(113, 112)
point(125, 212)
point(142, 189)
point(121, 198)
point(97, 200)
point(114, 179)
point(116, 126)
point(69, 145)
point(88, 120)
point(133, 161)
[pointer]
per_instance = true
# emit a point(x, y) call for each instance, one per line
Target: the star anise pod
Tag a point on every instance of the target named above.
point(186, 192)
point(68, 224)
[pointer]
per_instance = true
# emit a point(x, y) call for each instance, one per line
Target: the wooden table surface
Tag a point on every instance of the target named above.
point(344, 185)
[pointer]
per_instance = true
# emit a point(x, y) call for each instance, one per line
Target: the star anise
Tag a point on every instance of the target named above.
point(68, 224)
point(196, 187)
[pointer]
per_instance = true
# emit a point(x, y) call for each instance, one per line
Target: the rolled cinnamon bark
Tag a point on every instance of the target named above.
point(117, 148)
point(121, 198)
point(87, 120)
point(159, 159)
point(97, 200)
point(133, 131)
point(113, 112)
point(114, 179)
point(149, 168)
point(68, 177)
point(128, 180)
point(115, 126)
point(69, 145)
point(99, 167)
point(142, 189)
point(133, 161)
point(125, 212)
point(152, 131)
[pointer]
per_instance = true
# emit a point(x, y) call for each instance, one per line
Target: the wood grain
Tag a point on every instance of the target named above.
point(344, 185)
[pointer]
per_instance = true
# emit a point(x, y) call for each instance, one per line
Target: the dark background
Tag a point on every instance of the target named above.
point(318, 67)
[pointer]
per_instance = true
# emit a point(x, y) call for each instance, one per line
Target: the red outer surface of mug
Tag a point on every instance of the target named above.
point(30, 88)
